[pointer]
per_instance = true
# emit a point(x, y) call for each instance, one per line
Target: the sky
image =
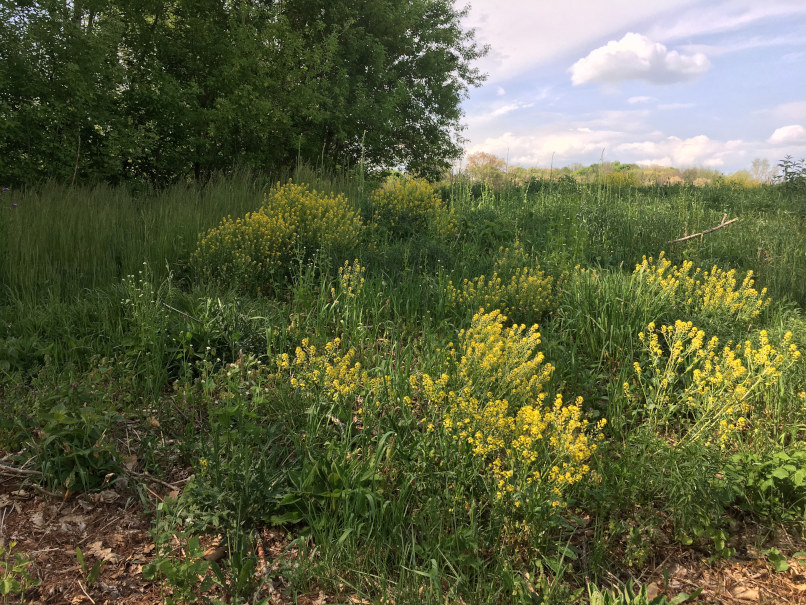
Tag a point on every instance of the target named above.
point(706, 83)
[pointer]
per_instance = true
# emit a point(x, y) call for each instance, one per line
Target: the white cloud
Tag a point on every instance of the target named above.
point(694, 151)
point(636, 57)
point(724, 16)
point(524, 34)
point(791, 112)
point(743, 42)
point(634, 100)
point(795, 133)
point(505, 109)
point(498, 110)
point(794, 57)
point(543, 146)
point(615, 135)
point(500, 91)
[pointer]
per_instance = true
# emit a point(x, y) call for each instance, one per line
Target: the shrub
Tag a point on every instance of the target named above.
point(491, 405)
point(331, 375)
point(517, 287)
point(255, 251)
point(74, 449)
point(689, 387)
point(403, 207)
point(773, 485)
point(713, 294)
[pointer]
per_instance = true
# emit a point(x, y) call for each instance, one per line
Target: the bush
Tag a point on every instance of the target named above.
point(713, 295)
point(403, 207)
point(773, 485)
point(688, 386)
point(520, 291)
point(74, 449)
point(491, 407)
point(254, 253)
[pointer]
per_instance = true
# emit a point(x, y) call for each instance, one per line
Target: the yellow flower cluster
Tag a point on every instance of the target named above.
point(716, 292)
point(252, 249)
point(344, 295)
point(492, 403)
point(709, 394)
point(351, 280)
point(331, 374)
point(521, 291)
point(404, 206)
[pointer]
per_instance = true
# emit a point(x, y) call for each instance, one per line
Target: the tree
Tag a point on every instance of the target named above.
point(59, 89)
point(486, 168)
point(165, 89)
point(761, 171)
point(397, 74)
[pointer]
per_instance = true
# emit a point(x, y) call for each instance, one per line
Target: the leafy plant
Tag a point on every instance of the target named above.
point(181, 572)
point(773, 485)
point(630, 594)
point(489, 415)
point(91, 574)
point(517, 287)
point(254, 252)
point(404, 206)
point(74, 450)
point(15, 577)
point(792, 173)
point(777, 559)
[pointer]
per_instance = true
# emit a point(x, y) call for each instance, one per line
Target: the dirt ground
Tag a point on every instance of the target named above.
point(112, 526)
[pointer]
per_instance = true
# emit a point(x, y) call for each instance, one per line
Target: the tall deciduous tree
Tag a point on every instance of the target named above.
point(166, 89)
point(486, 168)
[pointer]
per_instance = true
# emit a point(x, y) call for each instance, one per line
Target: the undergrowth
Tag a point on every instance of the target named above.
point(464, 396)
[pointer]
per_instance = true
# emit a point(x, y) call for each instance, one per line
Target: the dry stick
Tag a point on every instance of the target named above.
point(154, 479)
point(18, 471)
point(85, 592)
point(21, 471)
point(711, 230)
point(175, 310)
point(78, 152)
point(12, 471)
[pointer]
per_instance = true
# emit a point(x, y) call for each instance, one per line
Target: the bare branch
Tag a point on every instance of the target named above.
point(724, 223)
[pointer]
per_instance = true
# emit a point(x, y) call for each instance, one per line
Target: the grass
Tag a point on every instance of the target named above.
point(376, 415)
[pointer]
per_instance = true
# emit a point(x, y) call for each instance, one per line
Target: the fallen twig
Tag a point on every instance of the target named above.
point(175, 310)
point(11, 470)
point(154, 479)
point(85, 592)
point(724, 223)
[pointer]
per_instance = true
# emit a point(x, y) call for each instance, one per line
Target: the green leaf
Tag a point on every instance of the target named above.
point(95, 572)
point(286, 518)
point(685, 597)
point(9, 586)
point(778, 560)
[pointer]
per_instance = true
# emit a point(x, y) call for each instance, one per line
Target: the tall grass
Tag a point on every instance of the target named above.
point(389, 506)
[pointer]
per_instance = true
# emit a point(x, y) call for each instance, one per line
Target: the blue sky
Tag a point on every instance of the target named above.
point(710, 83)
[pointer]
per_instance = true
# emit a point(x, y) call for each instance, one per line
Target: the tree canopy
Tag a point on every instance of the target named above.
point(161, 90)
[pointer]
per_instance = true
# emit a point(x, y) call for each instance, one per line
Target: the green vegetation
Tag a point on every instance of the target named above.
point(371, 379)
point(158, 92)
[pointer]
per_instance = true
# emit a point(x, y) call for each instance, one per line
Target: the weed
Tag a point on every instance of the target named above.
point(74, 450)
point(90, 574)
point(15, 577)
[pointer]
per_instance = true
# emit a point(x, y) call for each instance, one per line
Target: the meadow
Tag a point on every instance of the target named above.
point(440, 393)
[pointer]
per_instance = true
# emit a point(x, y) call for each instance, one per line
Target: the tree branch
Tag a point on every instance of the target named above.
point(724, 223)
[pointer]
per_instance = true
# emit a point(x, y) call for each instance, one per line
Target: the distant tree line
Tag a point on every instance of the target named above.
point(482, 167)
point(164, 90)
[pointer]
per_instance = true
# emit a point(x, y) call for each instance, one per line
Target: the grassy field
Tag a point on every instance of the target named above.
point(443, 393)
